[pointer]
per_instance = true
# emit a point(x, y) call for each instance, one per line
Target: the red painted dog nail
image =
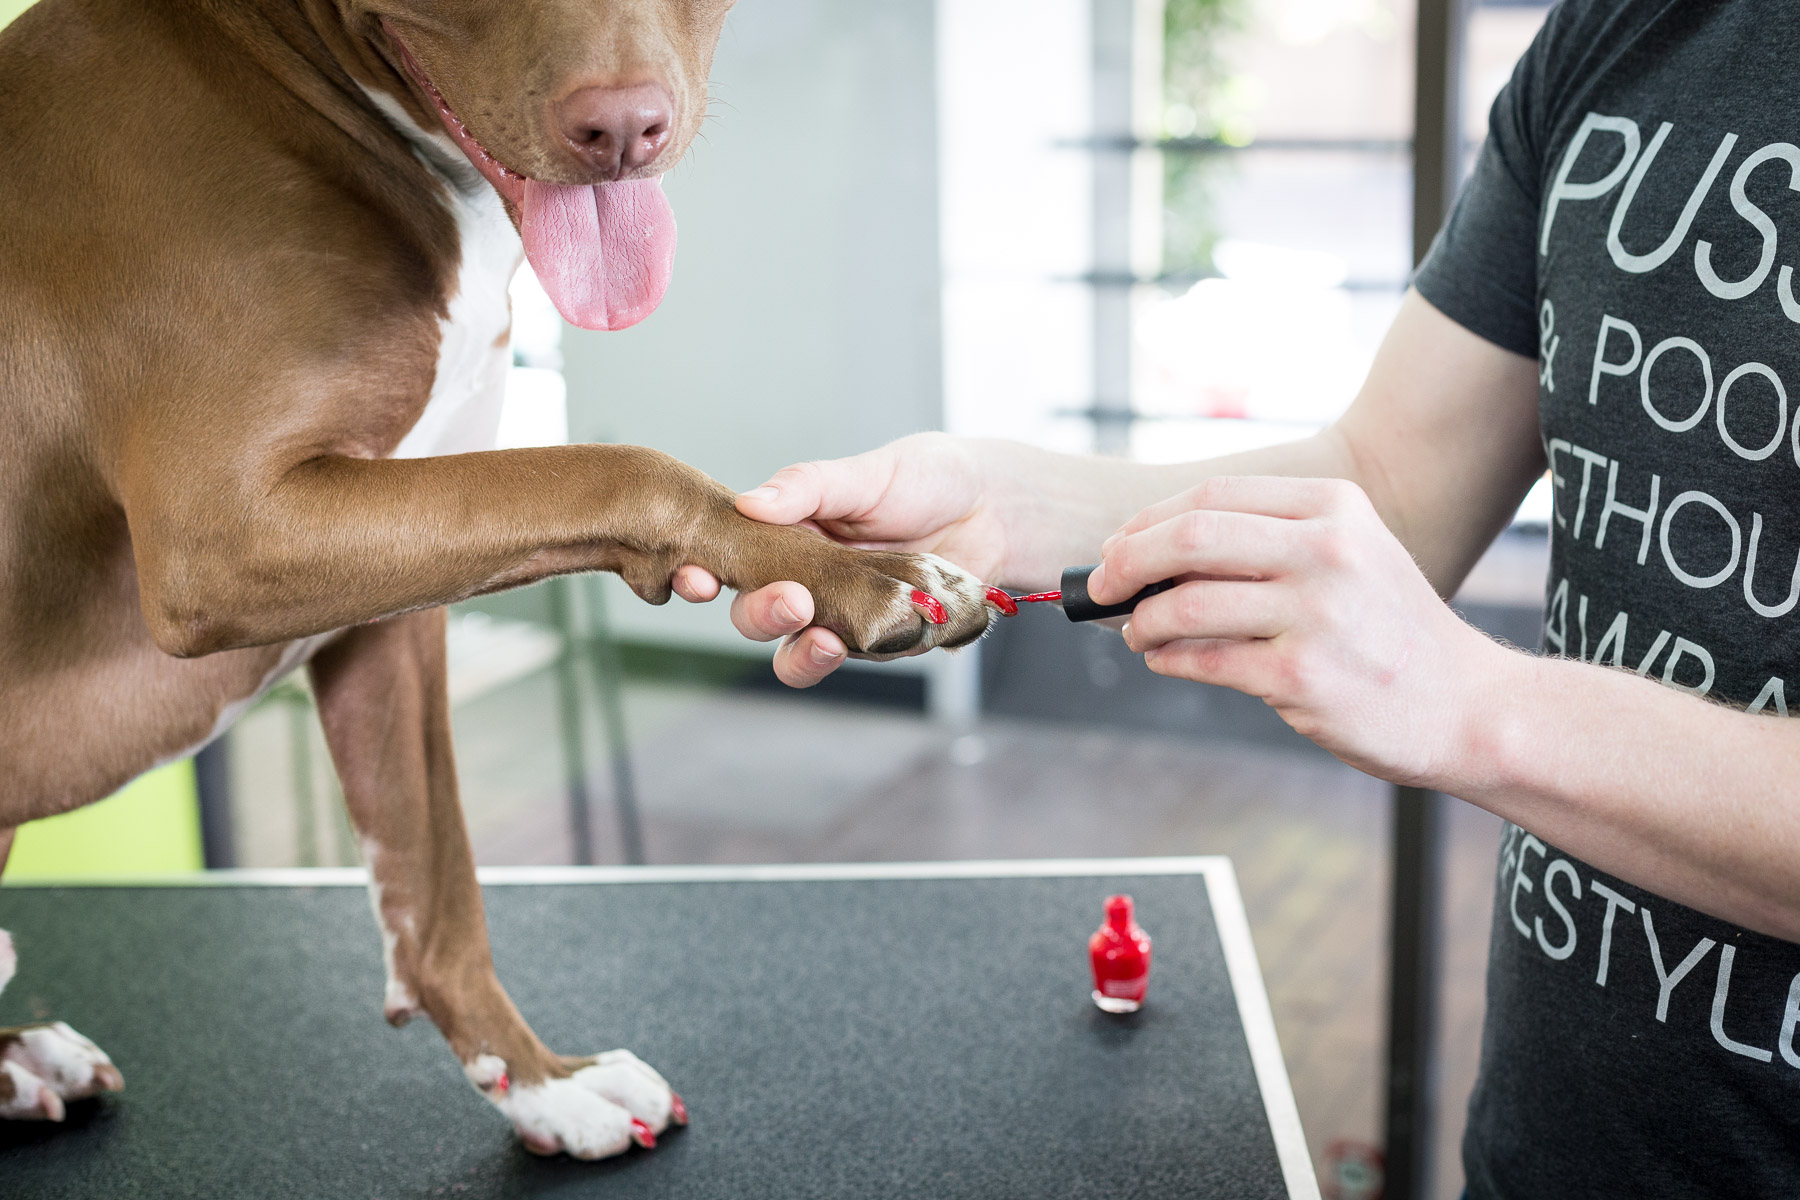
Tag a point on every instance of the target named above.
point(930, 607)
point(640, 1133)
point(677, 1109)
point(503, 1083)
point(1000, 600)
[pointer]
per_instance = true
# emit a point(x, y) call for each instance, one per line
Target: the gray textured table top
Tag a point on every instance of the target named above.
point(882, 1031)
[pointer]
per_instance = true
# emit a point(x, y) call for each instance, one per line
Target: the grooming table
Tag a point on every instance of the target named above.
point(838, 1032)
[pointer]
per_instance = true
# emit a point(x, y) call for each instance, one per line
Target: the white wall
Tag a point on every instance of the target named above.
point(803, 319)
point(1016, 88)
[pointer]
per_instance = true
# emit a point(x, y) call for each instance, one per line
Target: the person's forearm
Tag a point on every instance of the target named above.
point(1300, 594)
point(1058, 508)
point(1685, 798)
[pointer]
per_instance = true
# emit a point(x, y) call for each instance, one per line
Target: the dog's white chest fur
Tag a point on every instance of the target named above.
point(473, 351)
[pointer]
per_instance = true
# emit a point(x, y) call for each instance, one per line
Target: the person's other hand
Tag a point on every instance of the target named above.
point(1294, 591)
point(923, 493)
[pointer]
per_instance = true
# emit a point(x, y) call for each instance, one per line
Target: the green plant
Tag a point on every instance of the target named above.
point(1193, 67)
point(1198, 102)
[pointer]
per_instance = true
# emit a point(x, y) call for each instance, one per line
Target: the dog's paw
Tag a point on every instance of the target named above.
point(887, 604)
point(632, 1084)
point(601, 1108)
point(9, 959)
point(43, 1066)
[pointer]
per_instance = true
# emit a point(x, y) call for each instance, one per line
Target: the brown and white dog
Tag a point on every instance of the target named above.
point(253, 326)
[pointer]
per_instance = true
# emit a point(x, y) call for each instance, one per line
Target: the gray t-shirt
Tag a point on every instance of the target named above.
point(1633, 224)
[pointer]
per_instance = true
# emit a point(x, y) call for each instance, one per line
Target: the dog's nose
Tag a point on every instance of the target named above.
point(616, 129)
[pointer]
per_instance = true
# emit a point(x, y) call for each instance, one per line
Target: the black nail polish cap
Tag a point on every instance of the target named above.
point(1078, 607)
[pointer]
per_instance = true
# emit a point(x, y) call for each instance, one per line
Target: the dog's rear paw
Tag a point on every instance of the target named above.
point(894, 604)
point(44, 1066)
point(602, 1107)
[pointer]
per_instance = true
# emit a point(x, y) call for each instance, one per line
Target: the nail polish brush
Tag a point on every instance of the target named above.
point(1073, 597)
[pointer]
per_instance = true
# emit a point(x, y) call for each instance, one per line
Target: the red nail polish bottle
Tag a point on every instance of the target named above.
point(1120, 952)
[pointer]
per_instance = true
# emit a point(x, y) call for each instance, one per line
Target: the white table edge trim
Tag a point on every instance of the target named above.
point(1259, 1029)
point(727, 873)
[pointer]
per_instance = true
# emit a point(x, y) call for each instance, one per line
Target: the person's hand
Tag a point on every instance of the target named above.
point(923, 493)
point(1295, 592)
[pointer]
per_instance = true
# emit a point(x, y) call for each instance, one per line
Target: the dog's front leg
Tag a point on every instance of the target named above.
point(265, 554)
point(383, 702)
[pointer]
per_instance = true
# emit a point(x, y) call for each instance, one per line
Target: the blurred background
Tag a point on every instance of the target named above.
point(1165, 229)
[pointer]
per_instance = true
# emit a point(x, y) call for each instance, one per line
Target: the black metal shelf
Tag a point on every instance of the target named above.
point(1200, 145)
point(1115, 279)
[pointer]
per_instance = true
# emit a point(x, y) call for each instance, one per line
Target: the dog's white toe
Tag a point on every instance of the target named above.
point(65, 1060)
point(560, 1114)
point(956, 585)
point(579, 1115)
point(25, 1097)
point(49, 1064)
point(631, 1083)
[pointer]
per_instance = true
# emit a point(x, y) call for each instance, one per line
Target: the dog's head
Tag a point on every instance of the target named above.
point(572, 110)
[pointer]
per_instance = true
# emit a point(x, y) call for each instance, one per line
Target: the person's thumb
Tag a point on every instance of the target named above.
point(837, 489)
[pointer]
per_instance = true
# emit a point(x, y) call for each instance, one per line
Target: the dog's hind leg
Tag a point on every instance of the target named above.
point(384, 703)
point(45, 1065)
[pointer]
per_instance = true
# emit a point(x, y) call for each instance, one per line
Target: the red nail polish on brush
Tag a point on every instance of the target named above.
point(1120, 952)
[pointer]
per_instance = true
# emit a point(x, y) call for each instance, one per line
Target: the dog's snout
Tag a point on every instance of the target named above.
point(616, 129)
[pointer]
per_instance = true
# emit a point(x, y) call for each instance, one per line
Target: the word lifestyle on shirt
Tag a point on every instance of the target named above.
point(1592, 927)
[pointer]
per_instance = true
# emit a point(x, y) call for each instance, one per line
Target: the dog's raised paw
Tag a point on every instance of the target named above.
point(897, 604)
point(42, 1067)
point(607, 1104)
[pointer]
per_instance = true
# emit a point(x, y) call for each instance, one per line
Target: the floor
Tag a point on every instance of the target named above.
point(726, 775)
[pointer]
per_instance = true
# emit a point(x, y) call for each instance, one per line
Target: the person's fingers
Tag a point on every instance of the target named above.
point(808, 657)
point(1267, 495)
point(1209, 609)
point(772, 612)
point(1241, 666)
point(1201, 541)
point(696, 585)
point(783, 610)
point(832, 490)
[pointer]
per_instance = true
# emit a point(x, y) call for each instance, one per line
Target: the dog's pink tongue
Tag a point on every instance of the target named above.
point(604, 253)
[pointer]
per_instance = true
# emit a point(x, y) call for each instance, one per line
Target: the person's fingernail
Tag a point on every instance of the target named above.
point(1125, 632)
point(782, 613)
point(1096, 578)
point(823, 657)
point(765, 492)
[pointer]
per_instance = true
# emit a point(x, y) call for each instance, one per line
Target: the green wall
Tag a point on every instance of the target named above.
point(149, 827)
point(12, 8)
